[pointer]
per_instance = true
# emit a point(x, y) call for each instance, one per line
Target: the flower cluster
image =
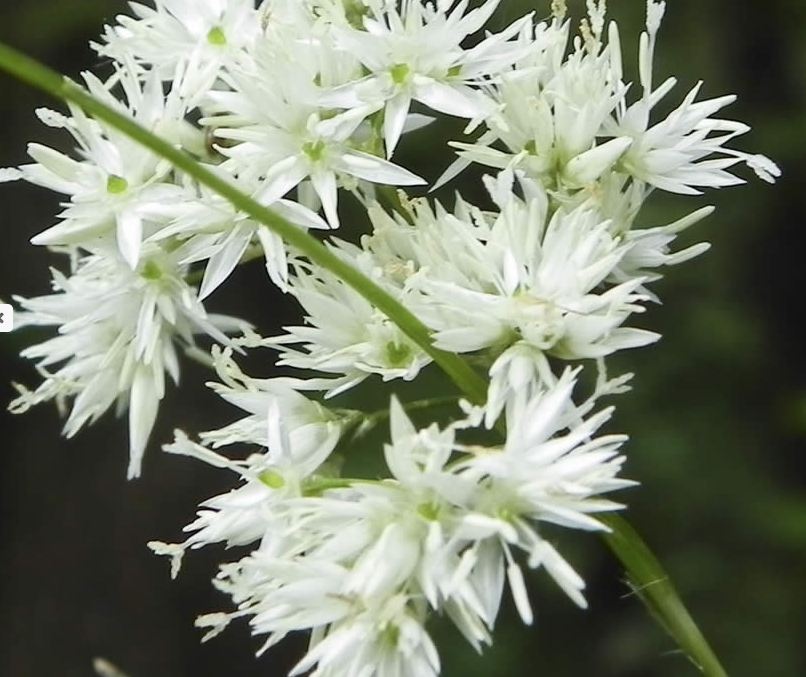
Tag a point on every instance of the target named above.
point(362, 563)
point(118, 333)
point(301, 104)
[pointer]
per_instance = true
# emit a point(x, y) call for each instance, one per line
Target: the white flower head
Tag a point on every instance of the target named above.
point(543, 474)
point(117, 189)
point(274, 131)
point(345, 336)
point(118, 335)
point(686, 151)
point(215, 232)
point(361, 563)
point(294, 102)
point(194, 38)
point(413, 52)
point(291, 438)
point(487, 281)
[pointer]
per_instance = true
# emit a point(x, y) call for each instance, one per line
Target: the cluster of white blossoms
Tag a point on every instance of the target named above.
point(301, 104)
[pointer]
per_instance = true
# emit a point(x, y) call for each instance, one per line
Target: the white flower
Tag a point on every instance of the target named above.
point(280, 418)
point(118, 188)
point(649, 249)
point(566, 122)
point(387, 642)
point(381, 637)
point(292, 101)
point(414, 53)
point(515, 374)
point(344, 334)
point(488, 281)
point(219, 234)
point(549, 116)
point(298, 435)
point(685, 151)
point(274, 131)
point(362, 563)
point(118, 334)
point(196, 38)
point(541, 475)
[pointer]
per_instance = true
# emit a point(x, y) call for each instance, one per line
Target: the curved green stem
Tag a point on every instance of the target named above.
point(647, 576)
point(653, 586)
point(32, 72)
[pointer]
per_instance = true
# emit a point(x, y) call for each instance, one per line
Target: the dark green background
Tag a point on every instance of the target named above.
point(717, 418)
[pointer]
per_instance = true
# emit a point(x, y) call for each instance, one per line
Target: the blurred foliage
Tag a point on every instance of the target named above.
point(717, 417)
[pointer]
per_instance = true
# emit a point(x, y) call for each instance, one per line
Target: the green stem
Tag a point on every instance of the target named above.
point(643, 568)
point(32, 72)
point(653, 586)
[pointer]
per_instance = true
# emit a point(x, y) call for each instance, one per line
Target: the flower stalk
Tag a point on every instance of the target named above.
point(652, 585)
point(40, 76)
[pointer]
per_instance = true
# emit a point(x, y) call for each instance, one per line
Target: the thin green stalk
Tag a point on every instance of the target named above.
point(653, 586)
point(32, 72)
point(642, 566)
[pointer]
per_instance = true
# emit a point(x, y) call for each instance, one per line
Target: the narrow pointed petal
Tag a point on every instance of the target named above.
point(281, 178)
point(143, 407)
point(586, 168)
point(324, 184)
point(459, 101)
point(397, 110)
point(376, 170)
point(224, 261)
point(130, 236)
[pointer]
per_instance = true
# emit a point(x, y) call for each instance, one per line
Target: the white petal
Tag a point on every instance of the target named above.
point(130, 236)
point(376, 170)
point(324, 183)
point(764, 168)
point(453, 100)
point(59, 164)
point(300, 215)
point(586, 168)
point(143, 407)
point(397, 110)
point(519, 594)
point(225, 260)
point(70, 232)
point(281, 178)
point(276, 260)
point(10, 174)
point(401, 426)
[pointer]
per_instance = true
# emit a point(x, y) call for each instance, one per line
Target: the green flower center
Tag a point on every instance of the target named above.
point(391, 636)
point(115, 185)
point(151, 271)
point(355, 12)
point(315, 150)
point(272, 479)
point(217, 37)
point(400, 73)
point(398, 354)
point(428, 511)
